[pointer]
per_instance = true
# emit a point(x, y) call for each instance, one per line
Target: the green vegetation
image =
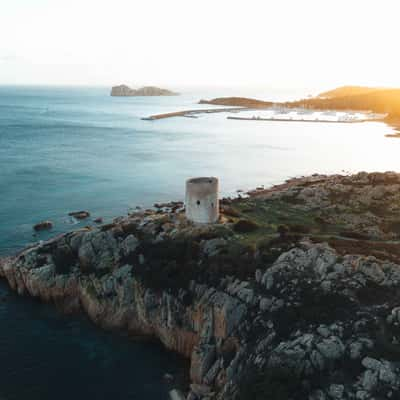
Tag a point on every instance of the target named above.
point(271, 384)
point(270, 216)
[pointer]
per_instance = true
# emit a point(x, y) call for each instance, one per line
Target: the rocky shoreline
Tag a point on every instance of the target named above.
point(294, 294)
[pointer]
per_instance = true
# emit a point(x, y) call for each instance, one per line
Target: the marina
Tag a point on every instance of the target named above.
point(275, 119)
point(192, 113)
point(277, 114)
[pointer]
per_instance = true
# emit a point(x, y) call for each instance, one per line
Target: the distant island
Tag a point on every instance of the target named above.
point(124, 90)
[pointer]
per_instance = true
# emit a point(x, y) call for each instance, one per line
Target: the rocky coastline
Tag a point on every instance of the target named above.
point(294, 294)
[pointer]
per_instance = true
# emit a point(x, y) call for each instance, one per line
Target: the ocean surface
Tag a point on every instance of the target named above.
point(69, 149)
point(64, 150)
point(47, 356)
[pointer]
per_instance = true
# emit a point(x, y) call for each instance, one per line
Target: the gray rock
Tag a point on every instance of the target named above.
point(372, 271)
point(317, 360)
point(43, 225)
point(371, 363)
point(79, 214)
point(387, 374)
point(269, 282)
point(86, 255)
point(265, 304)
point(129, 245)
point(336, 391)
point(331, 348)
point(355, 349)
point(323, 331)
point(324, 262)
point(203, 358)
point(362, 395)
point(326, 286)
point(76, 240)
point(200, 390)
point(212, 247)
point(258, 275)
point(369, 379)
point(123, 272)
point(213, 372)
point(317, 395)
point(176, 394)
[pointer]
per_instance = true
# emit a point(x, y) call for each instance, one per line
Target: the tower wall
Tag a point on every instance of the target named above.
point(201, 204)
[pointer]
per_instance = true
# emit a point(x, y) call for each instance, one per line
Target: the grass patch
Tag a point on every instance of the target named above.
point(380, 250)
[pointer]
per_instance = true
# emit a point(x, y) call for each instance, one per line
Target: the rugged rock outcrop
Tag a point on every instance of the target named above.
point(79, 214)
point(43, 225)
point(294, 312)
point(124, 90)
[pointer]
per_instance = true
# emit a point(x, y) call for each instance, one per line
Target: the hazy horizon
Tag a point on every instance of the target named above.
point(215, 44)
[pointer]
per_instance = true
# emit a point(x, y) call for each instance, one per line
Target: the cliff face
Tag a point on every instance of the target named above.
point(94, 271)
point(261, 308)
point(124, 90)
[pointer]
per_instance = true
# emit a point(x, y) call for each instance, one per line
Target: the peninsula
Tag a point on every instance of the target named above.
point(375, 103)
point(354, 98)
point(292, 294)
point(346, 98)
point(124, 90)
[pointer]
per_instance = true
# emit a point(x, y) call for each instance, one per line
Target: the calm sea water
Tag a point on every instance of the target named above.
point(70, 149)
point(46, 356)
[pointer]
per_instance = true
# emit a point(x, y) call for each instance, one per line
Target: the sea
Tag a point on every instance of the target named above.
point(66, 149)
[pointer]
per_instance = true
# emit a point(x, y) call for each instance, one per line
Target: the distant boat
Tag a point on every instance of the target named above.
point(303, 111)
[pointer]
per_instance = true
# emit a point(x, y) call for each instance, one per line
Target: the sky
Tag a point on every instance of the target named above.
point(175, 43)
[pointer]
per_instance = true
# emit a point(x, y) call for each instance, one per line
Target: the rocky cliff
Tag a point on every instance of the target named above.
point(124, 90)
point(293, 295)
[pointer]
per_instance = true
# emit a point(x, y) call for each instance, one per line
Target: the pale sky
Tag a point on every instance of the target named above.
point(280, 43)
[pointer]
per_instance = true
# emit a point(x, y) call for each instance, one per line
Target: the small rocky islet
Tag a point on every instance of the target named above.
point(293, 294)
point(124, 90)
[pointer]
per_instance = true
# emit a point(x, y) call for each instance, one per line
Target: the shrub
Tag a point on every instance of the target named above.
point(245, 226)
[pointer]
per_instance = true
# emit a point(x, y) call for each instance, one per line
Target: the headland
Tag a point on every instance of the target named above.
point(293, 293)
point(375, 104)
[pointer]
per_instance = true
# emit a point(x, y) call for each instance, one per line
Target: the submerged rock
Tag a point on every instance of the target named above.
point(43, 225)
point(79, 214)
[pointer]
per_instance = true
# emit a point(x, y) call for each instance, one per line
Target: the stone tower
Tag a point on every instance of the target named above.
point(201, 202)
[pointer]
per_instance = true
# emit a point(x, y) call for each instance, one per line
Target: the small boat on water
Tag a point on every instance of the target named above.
point(303, 111)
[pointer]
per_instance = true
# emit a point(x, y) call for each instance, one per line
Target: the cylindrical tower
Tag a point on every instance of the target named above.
point(201, 202)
